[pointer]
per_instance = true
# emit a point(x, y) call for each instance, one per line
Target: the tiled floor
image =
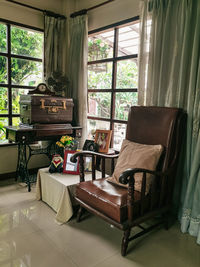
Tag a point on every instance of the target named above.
point(29, 237)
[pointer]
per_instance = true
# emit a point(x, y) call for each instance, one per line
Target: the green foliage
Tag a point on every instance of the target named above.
point(23, 42)
point(98, 49)
point(24, 72)
point(123, 102)
point(3, 100)
point(3, 40)
point(126, 78)
point(127, 74)
point(99, 78)
point(103, 101)
point(26, 42)
point(3, 70)
point(2, 127)
point(16, 98)
point(3, 122)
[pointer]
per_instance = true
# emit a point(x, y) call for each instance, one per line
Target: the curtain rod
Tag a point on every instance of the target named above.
point(50, 13)
point(84, 11)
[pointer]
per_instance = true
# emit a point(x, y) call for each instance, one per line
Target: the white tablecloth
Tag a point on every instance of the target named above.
point(57, 189)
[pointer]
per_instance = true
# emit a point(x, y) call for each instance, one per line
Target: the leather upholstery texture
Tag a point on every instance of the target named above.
point(107, 198)
point(152, 126)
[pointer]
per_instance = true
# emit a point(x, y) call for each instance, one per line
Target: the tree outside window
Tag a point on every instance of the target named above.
point(112, 77)
point(21, 68)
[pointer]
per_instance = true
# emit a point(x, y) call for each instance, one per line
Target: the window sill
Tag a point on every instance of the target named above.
point(6, 143)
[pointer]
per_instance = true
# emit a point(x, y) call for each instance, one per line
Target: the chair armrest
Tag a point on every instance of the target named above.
point(128, 174)
point(86, 153)
point(95, 166)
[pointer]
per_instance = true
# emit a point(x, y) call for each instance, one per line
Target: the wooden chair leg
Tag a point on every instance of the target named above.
point(79, 213)
point(125, 241)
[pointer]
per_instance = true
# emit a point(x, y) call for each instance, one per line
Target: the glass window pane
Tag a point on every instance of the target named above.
point(16, 121)
point(100, 76)
point(96, 124)
point(123, 101)
point(26, 42)
point(15, 99)
point(3, 38)
point(128, 40)
point(26, 72)
point(3, 122)
point(99, 104)
point(3, 70)
point(127, 74)
point(100, 46)
point(3, 100)
point(119, 135)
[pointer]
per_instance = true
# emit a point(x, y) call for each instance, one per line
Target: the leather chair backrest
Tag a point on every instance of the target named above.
point(153, 126)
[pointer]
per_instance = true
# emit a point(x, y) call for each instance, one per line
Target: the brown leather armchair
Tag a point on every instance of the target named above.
point(126, 207)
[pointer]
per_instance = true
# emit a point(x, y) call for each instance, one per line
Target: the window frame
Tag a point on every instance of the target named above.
point(8, 55)
point(114, 60)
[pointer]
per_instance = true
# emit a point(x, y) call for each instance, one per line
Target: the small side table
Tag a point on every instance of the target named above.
point(58, 190)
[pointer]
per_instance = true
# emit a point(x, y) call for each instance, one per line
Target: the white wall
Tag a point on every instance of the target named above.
point(113, 12)
point(28, 16)
point(8, 160)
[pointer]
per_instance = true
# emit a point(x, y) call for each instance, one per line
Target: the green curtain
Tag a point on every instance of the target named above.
point(78, 52)
point(169, 75)
point(54, 45)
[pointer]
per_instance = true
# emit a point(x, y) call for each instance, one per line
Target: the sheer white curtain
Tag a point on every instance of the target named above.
point(145, 29)
point(78, 53)
point(169, 75)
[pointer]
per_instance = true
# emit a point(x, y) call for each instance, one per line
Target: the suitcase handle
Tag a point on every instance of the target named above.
point(52, 108)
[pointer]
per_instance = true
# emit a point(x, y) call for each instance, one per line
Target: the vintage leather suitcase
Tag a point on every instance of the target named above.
point(45, 109)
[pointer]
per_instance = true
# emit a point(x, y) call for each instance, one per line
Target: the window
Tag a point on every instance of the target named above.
point(21, 68)
point(112, 77)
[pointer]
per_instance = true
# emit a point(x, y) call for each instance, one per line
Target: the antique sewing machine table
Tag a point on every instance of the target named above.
point(25, 135)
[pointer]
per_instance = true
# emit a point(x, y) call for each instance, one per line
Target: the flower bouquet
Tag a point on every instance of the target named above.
point(67, 142)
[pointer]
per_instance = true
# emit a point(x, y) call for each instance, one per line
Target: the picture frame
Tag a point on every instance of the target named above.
point(90, 145)
point(102, 138)
point(68, 166)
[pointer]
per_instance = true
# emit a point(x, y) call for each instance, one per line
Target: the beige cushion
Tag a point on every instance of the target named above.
point(134, 155)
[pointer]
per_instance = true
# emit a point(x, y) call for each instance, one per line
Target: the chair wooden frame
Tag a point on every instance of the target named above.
point(163, 199)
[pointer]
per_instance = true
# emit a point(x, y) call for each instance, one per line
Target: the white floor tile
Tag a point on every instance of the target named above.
point(30, 237)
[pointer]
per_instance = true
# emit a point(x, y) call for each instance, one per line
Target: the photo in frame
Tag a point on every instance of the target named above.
point(89, 145)
point(68, 166)
point(102, 138)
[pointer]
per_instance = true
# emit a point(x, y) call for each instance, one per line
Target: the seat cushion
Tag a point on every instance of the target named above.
point(107, 198)
point(134, 155)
